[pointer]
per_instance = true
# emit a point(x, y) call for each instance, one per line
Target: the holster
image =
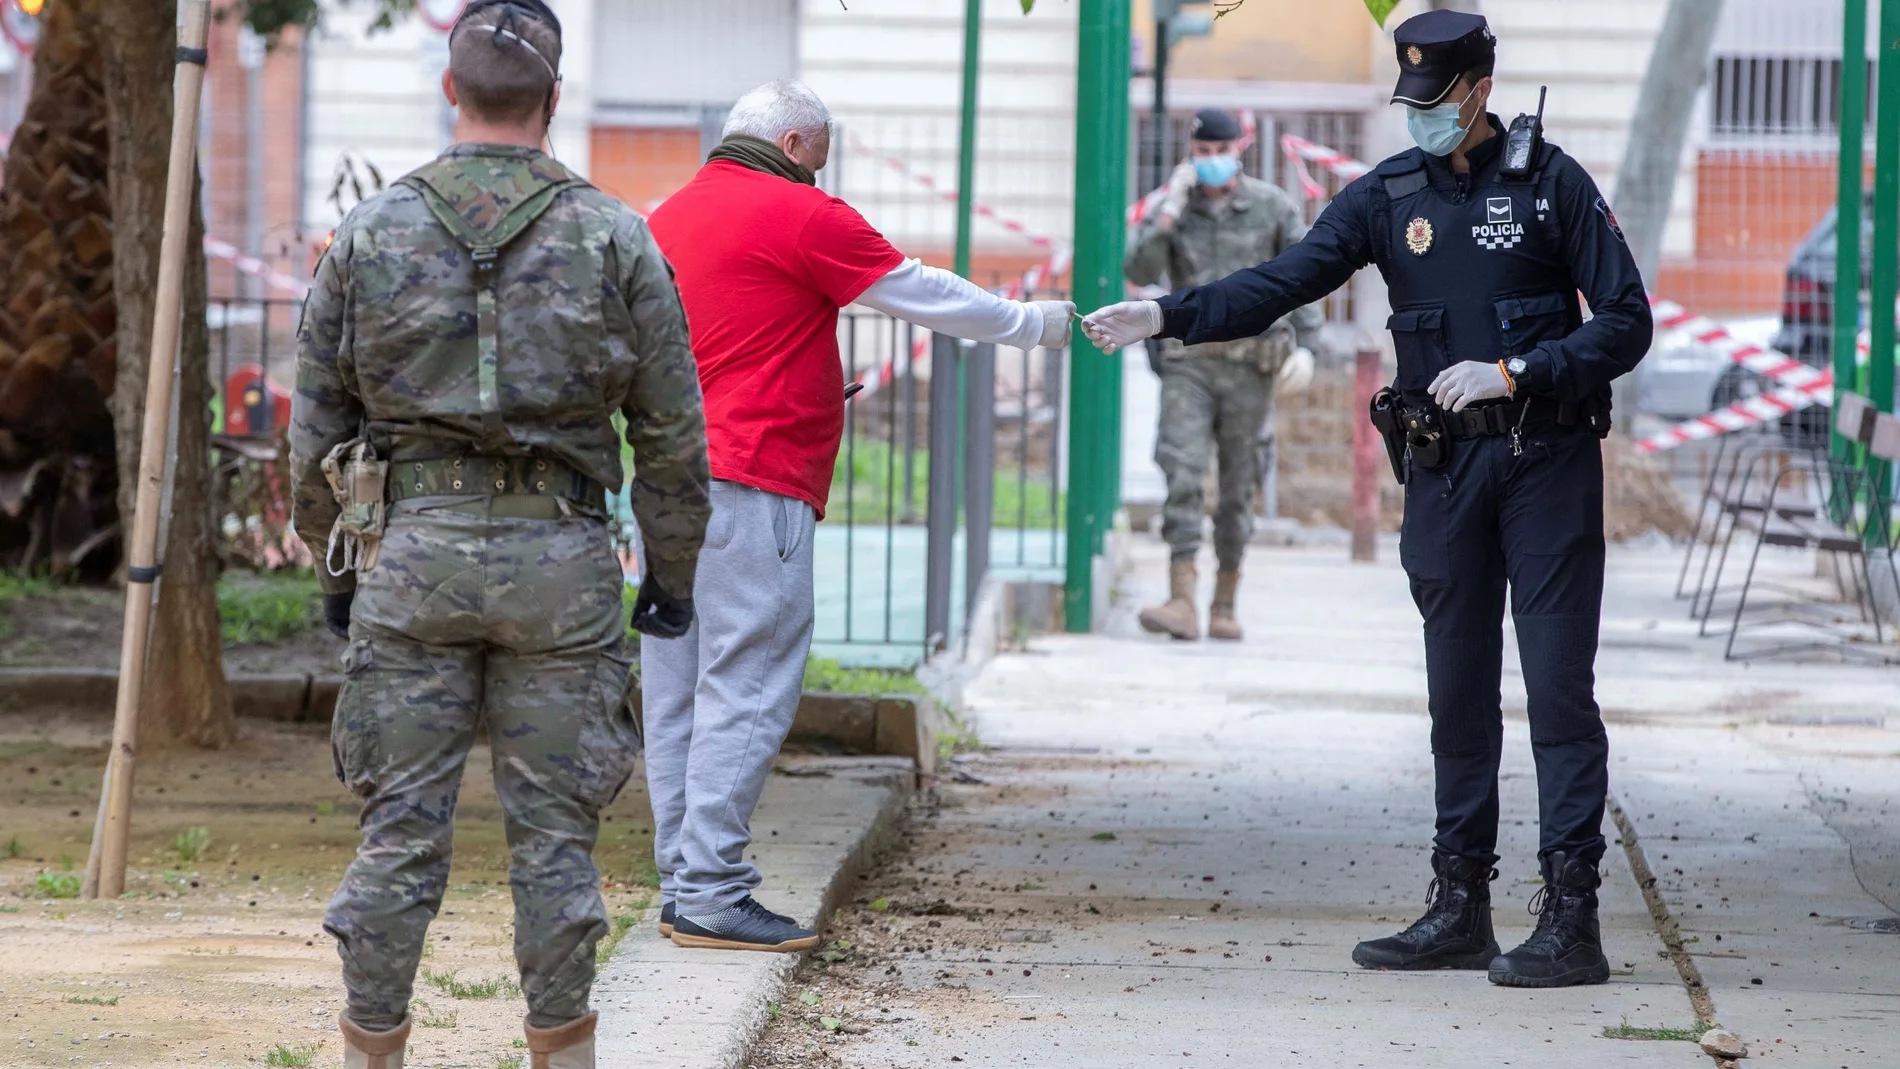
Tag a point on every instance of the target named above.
point(1385, 419)
point(359, 482)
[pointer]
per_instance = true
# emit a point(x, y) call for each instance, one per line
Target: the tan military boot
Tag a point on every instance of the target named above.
point(1220, 615)
point(1178, 616)
point(570, 1046)
point(363, 1049)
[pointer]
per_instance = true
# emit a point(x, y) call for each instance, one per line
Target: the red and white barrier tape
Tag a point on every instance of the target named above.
point(1778, 368)
point(255, 267)
point(1740, 416)
point(1300, 152)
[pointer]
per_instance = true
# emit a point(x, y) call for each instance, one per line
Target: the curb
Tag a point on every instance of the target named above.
point(755, 1015)
point(894, 725)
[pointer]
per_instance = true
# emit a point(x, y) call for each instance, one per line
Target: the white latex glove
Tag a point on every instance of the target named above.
point(1181, 182)
point(1459, 385)
point(1056, 317)
point(1296, 374)
point(1120, 325)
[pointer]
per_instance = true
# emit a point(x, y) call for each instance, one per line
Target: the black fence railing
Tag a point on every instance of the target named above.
point(995, 510)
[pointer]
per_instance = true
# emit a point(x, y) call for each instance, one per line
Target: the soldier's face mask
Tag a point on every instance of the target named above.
point(1216, 171)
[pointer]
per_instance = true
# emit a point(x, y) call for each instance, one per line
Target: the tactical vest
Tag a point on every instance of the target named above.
point(1478, 276)
point(522, 353)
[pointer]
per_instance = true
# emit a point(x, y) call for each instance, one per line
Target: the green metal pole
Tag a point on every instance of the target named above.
point(1886, 252)
point(1116, 178)
point(966, 156)
point(1847, 211)
point(1101, 79)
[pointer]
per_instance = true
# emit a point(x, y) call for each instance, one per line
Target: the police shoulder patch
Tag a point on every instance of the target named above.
point(1610, 218)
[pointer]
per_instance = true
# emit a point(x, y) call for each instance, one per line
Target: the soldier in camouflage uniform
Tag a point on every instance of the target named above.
point(1214, 397)
point(481, 323)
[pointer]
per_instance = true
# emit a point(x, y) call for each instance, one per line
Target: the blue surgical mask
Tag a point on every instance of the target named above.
point(1216, 171)
point(1436, 129)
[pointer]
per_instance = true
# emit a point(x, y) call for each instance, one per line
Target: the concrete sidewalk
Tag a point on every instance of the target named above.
point(816, 830)
point(1197, 834)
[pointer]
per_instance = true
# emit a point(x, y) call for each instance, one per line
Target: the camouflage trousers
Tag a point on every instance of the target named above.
point(469, 618)
point(1211, 407)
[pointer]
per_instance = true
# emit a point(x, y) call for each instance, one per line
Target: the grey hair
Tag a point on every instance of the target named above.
point(778, 108)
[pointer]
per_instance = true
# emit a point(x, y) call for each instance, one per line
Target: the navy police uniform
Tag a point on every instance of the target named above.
point(1487, 267)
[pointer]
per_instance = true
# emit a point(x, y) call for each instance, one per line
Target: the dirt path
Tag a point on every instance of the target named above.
point(215, 962)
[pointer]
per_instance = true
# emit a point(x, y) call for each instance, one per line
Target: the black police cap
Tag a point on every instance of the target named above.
point(1213, 124)
point(1434, 49)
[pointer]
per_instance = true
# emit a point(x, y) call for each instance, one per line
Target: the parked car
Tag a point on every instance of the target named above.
point(1682, 378)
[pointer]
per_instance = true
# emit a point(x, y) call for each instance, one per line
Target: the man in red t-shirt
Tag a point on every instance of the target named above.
point(763, 261)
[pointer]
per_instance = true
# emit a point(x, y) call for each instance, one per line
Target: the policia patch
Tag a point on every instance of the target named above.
point(1418, 235)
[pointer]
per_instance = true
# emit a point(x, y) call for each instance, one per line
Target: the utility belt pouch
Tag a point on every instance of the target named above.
point(359, 483)
point(1385, 420)
point(1426, 438)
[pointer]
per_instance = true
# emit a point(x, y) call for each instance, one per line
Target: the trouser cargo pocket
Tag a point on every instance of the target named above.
point(610, 738)
point(355, 734)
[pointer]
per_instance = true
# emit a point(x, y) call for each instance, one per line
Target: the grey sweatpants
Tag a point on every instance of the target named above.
point(718, 700)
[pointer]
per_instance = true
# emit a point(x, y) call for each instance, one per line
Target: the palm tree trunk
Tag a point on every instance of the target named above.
point(186, 699)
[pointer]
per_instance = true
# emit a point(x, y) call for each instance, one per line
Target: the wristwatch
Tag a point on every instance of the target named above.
point(1515, 366)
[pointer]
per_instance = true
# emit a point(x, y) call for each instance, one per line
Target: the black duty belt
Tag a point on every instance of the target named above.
point(449, 476)
point(1488, 420)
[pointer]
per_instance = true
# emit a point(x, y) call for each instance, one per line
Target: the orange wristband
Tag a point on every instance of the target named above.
point(1509, 382)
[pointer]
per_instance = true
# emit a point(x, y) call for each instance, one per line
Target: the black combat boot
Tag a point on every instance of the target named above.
point(1567, 947)
point(1454, 933)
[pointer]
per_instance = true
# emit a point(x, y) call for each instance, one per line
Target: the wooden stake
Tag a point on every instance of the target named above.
point(142, 565)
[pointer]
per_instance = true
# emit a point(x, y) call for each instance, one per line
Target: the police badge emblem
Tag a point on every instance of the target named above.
point(1418, 236)
point(1414, 56)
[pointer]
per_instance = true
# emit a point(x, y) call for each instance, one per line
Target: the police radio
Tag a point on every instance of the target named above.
point(1521, 143)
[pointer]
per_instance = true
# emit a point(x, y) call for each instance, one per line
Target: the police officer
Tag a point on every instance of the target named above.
point(1213, 221)
point(1505, 390)
point(476, 328)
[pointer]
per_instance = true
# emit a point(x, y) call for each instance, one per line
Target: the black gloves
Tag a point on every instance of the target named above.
point(657, 613)
point(336, 612)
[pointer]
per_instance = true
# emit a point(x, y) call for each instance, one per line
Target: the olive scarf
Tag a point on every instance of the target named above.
point(758, 154)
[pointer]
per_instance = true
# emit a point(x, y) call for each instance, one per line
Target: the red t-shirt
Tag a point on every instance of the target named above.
point(763, 265)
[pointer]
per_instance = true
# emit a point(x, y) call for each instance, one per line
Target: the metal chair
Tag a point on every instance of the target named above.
point(1822, 504)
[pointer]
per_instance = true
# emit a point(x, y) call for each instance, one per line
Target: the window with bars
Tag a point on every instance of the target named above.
point(1753, 96)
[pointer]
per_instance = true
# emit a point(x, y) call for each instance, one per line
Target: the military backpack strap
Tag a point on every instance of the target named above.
point(484, 245)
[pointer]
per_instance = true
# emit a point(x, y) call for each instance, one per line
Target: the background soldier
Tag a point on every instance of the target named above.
point(1506, 391)
point(1215, 396)
point(458, 322)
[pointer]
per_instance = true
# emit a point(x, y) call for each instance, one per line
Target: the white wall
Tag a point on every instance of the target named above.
point(891, 71)
point(379, 96)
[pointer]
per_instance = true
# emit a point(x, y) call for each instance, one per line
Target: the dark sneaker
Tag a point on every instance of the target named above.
point(1567, 948)
point(746, 926)
point(667, 913)
point(1454, 933)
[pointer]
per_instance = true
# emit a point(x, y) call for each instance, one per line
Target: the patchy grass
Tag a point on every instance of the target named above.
point(12, 848)
point(646, 874)
point(266, 608)
point(617, 931)
point(508, 1061)
point(1626, 1030)
point(428, 1017)
point(190, 844)
point(828, 675)
point(956, 737)
point(57, 884)
point(15, 585)
point(94, 1000)
point(298, 1057)
point(449, 984)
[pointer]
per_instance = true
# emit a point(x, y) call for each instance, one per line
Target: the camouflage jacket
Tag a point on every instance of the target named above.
point(1212, 239)
point(587, 324)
